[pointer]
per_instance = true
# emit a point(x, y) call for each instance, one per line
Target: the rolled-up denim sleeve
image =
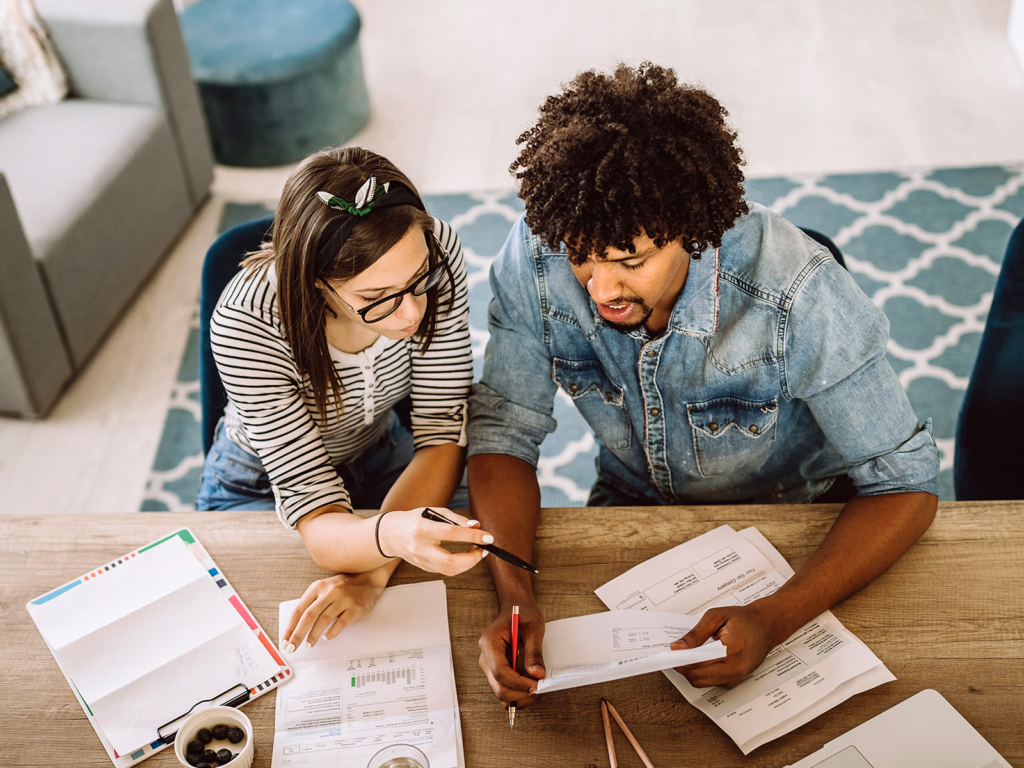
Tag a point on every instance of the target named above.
point(834, 360)
point(510, 407)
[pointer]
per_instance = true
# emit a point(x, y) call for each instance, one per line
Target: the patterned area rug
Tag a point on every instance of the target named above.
point(925, 246)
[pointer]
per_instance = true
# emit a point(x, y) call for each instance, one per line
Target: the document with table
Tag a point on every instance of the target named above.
point(819, 666)
point(385, 679)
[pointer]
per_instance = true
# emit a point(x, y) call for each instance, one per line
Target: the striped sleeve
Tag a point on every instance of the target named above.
point(442, 375)
point(259, 374)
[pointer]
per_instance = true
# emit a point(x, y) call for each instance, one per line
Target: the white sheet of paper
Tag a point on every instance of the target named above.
point(385, 679)
point(173, 633)
point(609, 646)
point(819, 666)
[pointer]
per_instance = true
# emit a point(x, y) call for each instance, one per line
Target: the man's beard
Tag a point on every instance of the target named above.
point(625, 328)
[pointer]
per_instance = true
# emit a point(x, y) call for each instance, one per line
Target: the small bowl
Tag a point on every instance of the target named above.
point(209, 717)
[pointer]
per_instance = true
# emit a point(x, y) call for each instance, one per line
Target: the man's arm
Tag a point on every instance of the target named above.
point(505, 497)
point(870, 534)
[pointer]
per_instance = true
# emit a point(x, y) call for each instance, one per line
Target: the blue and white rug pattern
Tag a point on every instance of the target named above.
point(926, 246)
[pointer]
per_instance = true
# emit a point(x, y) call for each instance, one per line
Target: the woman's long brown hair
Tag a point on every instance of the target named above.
point(299, 223)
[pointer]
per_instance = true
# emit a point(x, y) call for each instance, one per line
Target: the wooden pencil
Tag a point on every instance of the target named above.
point(629, 735)
point(608, 734)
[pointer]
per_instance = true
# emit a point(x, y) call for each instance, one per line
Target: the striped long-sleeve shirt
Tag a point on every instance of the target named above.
point(271, 411)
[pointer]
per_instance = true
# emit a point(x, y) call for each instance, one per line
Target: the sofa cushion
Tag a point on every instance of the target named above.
point(59, 158)
point(101, 195)
point(29, 59)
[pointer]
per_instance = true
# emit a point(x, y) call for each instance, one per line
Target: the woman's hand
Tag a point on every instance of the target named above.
point(341, 599)
point(410, 536)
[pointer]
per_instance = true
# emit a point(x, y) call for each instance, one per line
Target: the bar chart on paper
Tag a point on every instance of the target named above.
point(352, 696)
point(387, 677)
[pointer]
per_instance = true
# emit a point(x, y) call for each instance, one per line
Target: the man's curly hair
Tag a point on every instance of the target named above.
point(615, 156)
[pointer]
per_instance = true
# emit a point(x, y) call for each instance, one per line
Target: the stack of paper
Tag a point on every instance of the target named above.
point(819, 666)
point(386, 679)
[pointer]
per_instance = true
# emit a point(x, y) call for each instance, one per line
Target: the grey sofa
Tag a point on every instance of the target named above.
point(93, 190)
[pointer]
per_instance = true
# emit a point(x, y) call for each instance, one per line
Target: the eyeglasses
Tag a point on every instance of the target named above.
point(381, 308)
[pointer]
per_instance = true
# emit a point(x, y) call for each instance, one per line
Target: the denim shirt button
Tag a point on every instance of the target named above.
point(713, 426)
point(654, 411)
point(753, 428)
point(651, 353)
point(573, 388)
point(609, 396)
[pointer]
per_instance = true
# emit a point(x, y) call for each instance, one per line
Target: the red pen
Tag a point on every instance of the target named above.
point(515, 653)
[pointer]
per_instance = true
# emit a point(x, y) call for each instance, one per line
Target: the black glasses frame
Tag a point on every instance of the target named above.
point(430, 280)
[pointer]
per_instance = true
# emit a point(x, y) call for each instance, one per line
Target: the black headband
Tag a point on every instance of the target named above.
point(340, 227)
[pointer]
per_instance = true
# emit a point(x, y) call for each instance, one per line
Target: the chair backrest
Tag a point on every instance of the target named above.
point(219, 266)
point(827, 242)
point(989, 458)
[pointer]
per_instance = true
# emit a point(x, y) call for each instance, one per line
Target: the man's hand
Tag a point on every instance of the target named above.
point(341, 599)
point(745, 633)
point(495, 651)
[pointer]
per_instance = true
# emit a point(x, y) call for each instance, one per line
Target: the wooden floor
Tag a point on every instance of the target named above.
point(812, 85)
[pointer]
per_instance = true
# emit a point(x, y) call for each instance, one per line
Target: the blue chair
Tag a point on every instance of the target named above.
point(989, 457)
point(219, 266)
point(827, 242)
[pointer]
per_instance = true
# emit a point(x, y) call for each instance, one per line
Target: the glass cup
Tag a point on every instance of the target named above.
point(399, 756)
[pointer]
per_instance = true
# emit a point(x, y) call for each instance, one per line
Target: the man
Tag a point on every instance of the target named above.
point(719, 354)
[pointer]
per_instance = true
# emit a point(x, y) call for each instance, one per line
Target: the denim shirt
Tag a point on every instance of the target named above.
point(770, 380)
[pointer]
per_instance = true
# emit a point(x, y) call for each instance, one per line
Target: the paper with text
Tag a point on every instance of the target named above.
point(819, 666)
point(609, 646)
point(386, 679)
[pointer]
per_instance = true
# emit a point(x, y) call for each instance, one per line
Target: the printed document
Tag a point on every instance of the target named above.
point(609, 646)
point(819, 666)
point(386, 679)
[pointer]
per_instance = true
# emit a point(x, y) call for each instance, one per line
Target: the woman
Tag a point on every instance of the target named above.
point(358, 300)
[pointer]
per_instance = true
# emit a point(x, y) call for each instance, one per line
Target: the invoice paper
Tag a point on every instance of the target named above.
point(386, 679)
point(609, 646)
point(819, 666)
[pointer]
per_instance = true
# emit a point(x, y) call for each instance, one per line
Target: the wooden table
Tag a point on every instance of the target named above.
point(948, 616)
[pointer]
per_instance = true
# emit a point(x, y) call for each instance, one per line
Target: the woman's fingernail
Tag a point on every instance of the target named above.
point(485, 554)
point(488, 539)
point(472, 523)
point(289, 649)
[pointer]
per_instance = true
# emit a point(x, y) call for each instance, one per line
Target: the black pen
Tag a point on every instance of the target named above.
point(508, 557)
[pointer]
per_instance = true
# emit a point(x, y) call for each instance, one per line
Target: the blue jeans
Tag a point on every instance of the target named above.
point(235, 479)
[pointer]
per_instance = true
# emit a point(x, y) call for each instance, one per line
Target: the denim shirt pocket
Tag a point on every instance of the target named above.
point(729, 433)
point(598, 399)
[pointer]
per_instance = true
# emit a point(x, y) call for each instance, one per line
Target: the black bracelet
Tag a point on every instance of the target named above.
point(376, 537)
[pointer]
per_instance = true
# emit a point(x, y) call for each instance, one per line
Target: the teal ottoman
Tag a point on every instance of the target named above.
point(279, 79)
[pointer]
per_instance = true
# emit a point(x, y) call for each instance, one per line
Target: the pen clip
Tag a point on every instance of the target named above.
point(430, 514)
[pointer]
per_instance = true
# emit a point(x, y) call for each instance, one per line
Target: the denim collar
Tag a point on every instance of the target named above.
point(696, 309)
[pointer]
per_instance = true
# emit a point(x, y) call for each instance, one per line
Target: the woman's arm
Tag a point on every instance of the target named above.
point(345, 543)
point(341, 541)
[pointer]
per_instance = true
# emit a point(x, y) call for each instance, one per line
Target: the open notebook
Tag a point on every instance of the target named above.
point(150, 637)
